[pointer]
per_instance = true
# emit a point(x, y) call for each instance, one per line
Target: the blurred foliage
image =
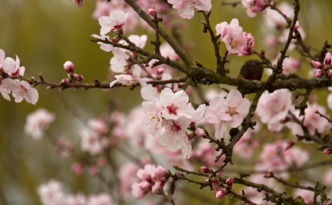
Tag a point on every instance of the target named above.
point(46, 33)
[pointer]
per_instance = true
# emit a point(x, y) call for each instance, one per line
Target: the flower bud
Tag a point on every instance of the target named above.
point(160, 71)
point(327, 60)
point(152, 12)
point(257, 9)
point(69, 67)
point(145, 186)
point(297, 25)
point(215, 183)
point(78, 3)
point(328, 151)
point(158, 185)
point(199, 132)
point(220, 193)
point(160, 172)
point(317, 64)
point(205, 169)
point(80, 78)
point(319, 74)
point(64, 80)
point(329, 72)
point(261, 3)
point(229, 182)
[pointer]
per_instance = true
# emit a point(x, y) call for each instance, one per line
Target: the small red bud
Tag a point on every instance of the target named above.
point(80, 78)
point(69, 67)
point(229, 182)
point(152, 12)
point(328, 151)
point(205, 169)
point(220, 193)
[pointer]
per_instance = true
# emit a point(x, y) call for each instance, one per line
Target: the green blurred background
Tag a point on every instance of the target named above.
point(46, 33)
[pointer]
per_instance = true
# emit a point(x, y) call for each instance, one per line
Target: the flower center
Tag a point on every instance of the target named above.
point(172, 109)
point(175, 127)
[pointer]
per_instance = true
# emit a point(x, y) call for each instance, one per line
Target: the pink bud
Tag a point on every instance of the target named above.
point(220, 193)
point(328, 151)
point(160, 71)
point(205, 169)
point(327, 59)
point(246, 51)
point(146, 176)
point(257, 9)
point(289, 145)
point(229, 182)
point(158, 185)
point(64, 80)
point(69, 67)
point(78, 3)
point(319, 74)
point(160, 172)
point(77, 168)
point(199, 132)
point(145, 186)
point(152, 12)
point(329, 72)
point(260, 3)
point(215, 184)
point(93, 170)
point(317, 64)
point(297, 25)
point(80, 78)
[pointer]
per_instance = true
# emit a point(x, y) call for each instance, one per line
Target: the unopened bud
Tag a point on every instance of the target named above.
point(215, 183)
point(229, 182)
point(199, 132)
point(205, 169)
point(160, 172)
point(297, 25)
point(146, 176)
point(327, 60)
point(317, 64)
point(160, 71)
point(329, 72)
point(328, 151)
point(69, 67)
point(319, 74)
point(158, 185)
point(152, 12)
point(80, 78)
point(64, 80)
point(77, 168)
point(261, 3)
point(220, 194)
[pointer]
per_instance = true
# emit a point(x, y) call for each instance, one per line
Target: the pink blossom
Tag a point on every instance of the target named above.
point(152, 12)
point(145, 186)
point(205, 169)
point(174, 133)
point(116, 19)
point(307, 195)
point(245, 146)
point(187, 7)
point(317, 65)
point(137, 192)
point(25, 91)
point(12, 67)
point(229, 110)
point(274, 107)
point(313, 121)
point(147, 173)
point(248, 5)
point(187, 147)
point(51, 192)
point(206, 153)
point(328, 177)
point(149, 92)
point(167, 51)
point(139, 41)
point(38, 122)
point(127, 175)
point(6, 86)
point(152, 123)
point(98, 125)
point(175, 105)
point(78, 3)
point(290, 65)
point(91, 142)
point(160, 172)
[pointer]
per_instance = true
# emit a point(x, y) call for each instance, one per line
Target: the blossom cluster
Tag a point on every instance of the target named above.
point(19, 89)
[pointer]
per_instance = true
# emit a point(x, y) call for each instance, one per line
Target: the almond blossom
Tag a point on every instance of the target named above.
point(232, 36)
point(38, 122)
point(229, 110)
point(187, 7)
point(115, 20)
point(6, 86)
point(174, 133)
point(25, 91)
point(152, 123)
point(12, 67)
point(175, 105)
point(272, 108)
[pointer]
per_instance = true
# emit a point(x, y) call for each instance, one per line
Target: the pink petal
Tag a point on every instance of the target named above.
point(32, 96)
point(234, 96)
point(236, 121)
point(244, 106)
